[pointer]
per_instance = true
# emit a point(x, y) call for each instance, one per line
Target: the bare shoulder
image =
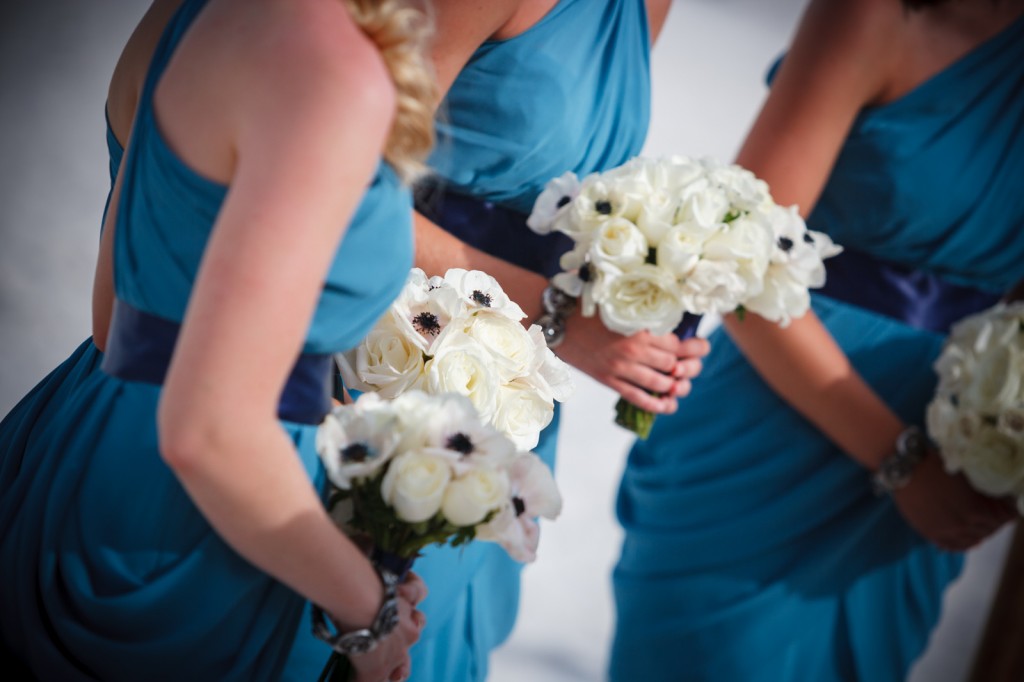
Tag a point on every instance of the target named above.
point(863, 28)
point(856, 41)
point(309, 53)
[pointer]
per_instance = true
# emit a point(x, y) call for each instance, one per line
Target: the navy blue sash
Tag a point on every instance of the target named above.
point(140, 346)
point(917, 298)
point(493, 229)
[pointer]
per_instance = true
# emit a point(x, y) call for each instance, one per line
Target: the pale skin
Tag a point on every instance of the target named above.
point(650, 371)
point(878, 51)
point(282, 78)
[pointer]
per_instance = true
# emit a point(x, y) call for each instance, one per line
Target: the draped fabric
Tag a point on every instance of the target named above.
point(570, 93)
point(110, 572)
point(754, 549)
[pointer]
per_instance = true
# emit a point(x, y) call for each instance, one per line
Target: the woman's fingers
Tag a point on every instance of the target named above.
point(413, 589)
point(643, 399)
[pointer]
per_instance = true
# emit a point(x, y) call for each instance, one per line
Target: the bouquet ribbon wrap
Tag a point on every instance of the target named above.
point(920, 299)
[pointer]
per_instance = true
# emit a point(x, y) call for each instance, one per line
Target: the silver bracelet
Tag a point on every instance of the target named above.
point(557, 306)
point(363, 640)
point(895, 470)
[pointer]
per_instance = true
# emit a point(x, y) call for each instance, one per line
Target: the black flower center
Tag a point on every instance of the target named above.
point(785, 243)
point(518, 505)
point(603, 207)
point(460, 442)
point(427, 323)
point(585, 272)
point(357, 452)
point(808, 238)
point(652, 256)
point(562, 202)
point(481, 298)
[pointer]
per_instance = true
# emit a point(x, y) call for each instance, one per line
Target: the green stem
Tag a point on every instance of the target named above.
point(631, 417)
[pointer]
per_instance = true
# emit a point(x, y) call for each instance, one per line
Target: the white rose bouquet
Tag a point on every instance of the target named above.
point(657, 240)
point(977, 415)
point(426, 469)
point(461, 333)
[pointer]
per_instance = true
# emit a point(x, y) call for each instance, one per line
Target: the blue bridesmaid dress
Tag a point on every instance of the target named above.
point(110, 572)
point(754, 548)
point(570, 93)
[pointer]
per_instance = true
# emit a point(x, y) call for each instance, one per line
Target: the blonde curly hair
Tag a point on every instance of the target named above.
point(401, 29)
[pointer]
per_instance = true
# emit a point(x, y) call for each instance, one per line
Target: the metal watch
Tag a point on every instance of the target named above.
point(895, 470)
point(557, 305)
point(363, 640)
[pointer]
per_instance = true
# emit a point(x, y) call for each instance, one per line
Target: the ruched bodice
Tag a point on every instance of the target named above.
point(951, 147)
point(570, 93)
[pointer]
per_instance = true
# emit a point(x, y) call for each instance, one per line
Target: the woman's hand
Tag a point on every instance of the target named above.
point(635, 366)
point(946, 510)
point(390, 660)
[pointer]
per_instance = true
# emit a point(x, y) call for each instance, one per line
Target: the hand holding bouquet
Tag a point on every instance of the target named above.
point(977, 415)
point(424, 469)
point(460, 333)
point(657, 239)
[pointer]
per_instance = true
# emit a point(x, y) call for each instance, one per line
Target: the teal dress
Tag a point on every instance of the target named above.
point(570, 93)
point(110, 572)
point(755, 549)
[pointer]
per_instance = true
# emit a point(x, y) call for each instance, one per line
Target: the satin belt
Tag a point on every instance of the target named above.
point(493, 229)
point(140, 346)
point(919, 299)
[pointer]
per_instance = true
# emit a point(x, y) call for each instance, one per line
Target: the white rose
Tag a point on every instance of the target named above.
point(550, 375)
point(523, 412)
point(681, 248)
point(748, 243)
point(995, 465)
point(713, 287)
point(473, 496)
point(386, 361)
point(557, 195)
point(620, 243)
point(704, 207)
point(955, 368)
point(462, 365)
point(997, 383)
point(480, 290)
point(784, 297)
point(681, 173)
point(745, 191)
point(512, 350)
point(943, 423)
point(646, 297)
point(415, 484)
